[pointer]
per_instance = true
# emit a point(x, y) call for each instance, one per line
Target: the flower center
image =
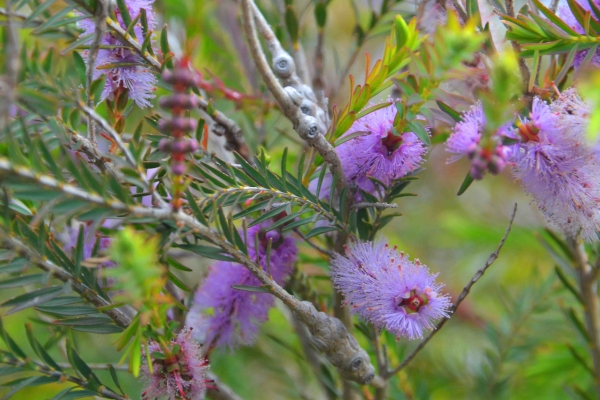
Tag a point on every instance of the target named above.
point(392, 142)
point(528, 131)
point(414, 303)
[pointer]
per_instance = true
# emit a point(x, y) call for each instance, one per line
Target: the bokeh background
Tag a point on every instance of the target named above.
point(510, 338)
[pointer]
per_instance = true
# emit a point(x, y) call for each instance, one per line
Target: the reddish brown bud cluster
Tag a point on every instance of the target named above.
point(182, 80)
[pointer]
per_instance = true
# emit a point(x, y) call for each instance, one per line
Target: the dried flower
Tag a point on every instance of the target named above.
point(387, 289)
point(379, 153)
point(557, 168)
point(178, 372)
point(124, 69)
point(466, 140)
point(226, 317)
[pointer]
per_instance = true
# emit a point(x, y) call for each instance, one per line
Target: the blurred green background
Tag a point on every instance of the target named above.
point(509, 339)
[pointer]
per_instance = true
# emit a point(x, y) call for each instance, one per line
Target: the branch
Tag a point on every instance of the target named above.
point(87, 293)
point(99, 30)
point(224, 126)
point(42, 369)
point(108, 129)
point(221, 391)
point(358, 206)
point(589, 295)
point(272, 192)
point(289, 99)
point(462, 296)
point(329, 335)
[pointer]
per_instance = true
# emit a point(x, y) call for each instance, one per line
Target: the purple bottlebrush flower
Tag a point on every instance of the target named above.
point(379, 153)
point(558, 169)
point(466, 138)
point(124, 69)
point(181, 374)
point(387, 289)
point(226, 317)
point(89, 243)
point(565, 13)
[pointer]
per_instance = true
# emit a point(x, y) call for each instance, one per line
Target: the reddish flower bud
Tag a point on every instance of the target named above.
point(179, 100)
point(177, 124)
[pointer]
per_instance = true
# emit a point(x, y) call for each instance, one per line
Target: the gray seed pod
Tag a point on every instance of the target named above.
point(283, 66)
point(294, 95)
point(307, 107)
point(312, 127)
point(308, 93)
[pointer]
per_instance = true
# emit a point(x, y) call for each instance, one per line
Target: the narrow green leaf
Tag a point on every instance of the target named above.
point(37, 11)
point(465, 185)
point(248, 288)
point(320, 230)
point(420, 131)
point(177, 282)
point(455, 115)
point(124, 11)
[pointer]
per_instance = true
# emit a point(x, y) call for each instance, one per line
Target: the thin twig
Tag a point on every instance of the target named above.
point(99, 30)
point(358, 206)
point(8, 82)
point(589, 295)
point(380, 393)
point(42, 369)
point(59, 273)
point(462, 296)
point(222, 391)
point(108, 129)
point(234, 137)
point(312, 244)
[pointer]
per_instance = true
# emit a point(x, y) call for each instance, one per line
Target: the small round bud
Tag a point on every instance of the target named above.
point(178, 168)
point(294, 95)
point(191, 145)
point(177, 124)
point(273, 236)
point(164, 145)
point(180, 77)
point(178, 146)
point(179, 100)
point(496, 165)
point(283, 66)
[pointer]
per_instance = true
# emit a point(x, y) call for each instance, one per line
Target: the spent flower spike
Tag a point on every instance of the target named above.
point(178, 372)
point(387, 289)
point(226, 317)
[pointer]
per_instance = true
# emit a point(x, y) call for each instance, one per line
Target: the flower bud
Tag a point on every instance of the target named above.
point(179, 77)
point(177, 124)
point(179, 100)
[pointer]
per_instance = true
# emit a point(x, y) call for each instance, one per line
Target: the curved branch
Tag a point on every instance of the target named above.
point(461, 297)
point(289, 100)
